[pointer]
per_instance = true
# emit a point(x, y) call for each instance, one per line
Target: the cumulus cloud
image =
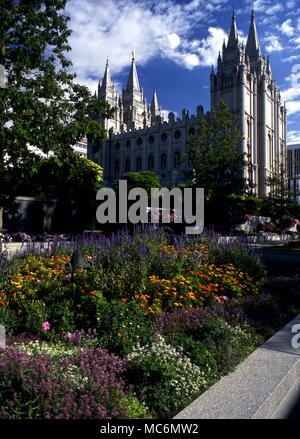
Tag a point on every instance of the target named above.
point(210, 47)
point(273, 44)
point(174, 40)
point(106, 28)
point(268, 6)
point(286, 28)
point(292, 94)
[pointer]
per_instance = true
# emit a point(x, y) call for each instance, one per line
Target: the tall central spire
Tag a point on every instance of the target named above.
point(233, 36)
point(252, 47)
point(133, 79)
point(106, 82)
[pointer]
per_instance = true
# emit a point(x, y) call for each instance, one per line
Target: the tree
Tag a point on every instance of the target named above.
point(279, 203)
point(145, 180)
point(217, 162)
point(41, 104)
point(73, 182)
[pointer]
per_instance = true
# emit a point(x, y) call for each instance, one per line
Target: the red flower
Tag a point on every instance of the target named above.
point(123, 300)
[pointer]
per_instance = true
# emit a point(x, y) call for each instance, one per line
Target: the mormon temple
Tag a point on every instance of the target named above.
point(139, 139)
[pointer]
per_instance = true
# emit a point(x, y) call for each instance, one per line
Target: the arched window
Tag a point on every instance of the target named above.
point(151, 139)
point(138, 164)
point(192, 131)
point(177, 159)
point(139, 141)
point(128, 143)
point(164, 137)
point(163, 161)
point(177, 134)
point(151, 162)
point(127, 165)
point(117, 168)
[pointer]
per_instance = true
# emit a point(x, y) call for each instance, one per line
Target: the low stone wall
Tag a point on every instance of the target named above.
point(14, 248)
point(263, 386)
point(259, 239)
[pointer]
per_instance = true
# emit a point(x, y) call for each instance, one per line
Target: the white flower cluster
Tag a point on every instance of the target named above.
point(187, 378)
point(239, 332)
point(58, 350)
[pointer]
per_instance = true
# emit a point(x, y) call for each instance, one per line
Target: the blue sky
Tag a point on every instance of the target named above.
point(176, 42)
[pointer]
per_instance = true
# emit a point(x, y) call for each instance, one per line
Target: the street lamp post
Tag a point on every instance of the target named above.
point(77, 261)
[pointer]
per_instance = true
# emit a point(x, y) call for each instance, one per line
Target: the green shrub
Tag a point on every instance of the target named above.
point(122, 326)
point(136, 409)
point(164, 378)
point(227, 344)
point(239, 256)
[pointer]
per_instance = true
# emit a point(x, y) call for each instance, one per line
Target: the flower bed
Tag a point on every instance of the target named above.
point(141, 331)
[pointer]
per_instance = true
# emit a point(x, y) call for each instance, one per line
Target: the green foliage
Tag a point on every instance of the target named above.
point(239, 256)
point(122, 326)
point(240, 205)
point(136, 409)
point(145, 180)
point(214, 155)
point(227, 345)
point(68, 178)
point(8, 319)
point(44, 106)
point(217, 163)
point(164, 377)
point(61, 314)
point(278, 204)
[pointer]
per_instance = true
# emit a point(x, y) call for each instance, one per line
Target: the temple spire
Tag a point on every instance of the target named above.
point(154, 107)
point(252, 47)
point(233, 36)
point(106, 82)
point(154, 102)
point(133, 79)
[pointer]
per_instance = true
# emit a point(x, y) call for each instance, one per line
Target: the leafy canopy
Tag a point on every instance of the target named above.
point(216, 160)
point(41, 104)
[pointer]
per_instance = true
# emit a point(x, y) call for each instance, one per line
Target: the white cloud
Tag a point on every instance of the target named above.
point(106, 28)
point(210, 46)
point(190, 60)
point(267, 7)
point(293, 107)
point(291, 4)
point(292, 58)
point(174, 40)
point(286, 28)
point(293, 136)
point(273, 44)
point(292, 94)
point(165, 114)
